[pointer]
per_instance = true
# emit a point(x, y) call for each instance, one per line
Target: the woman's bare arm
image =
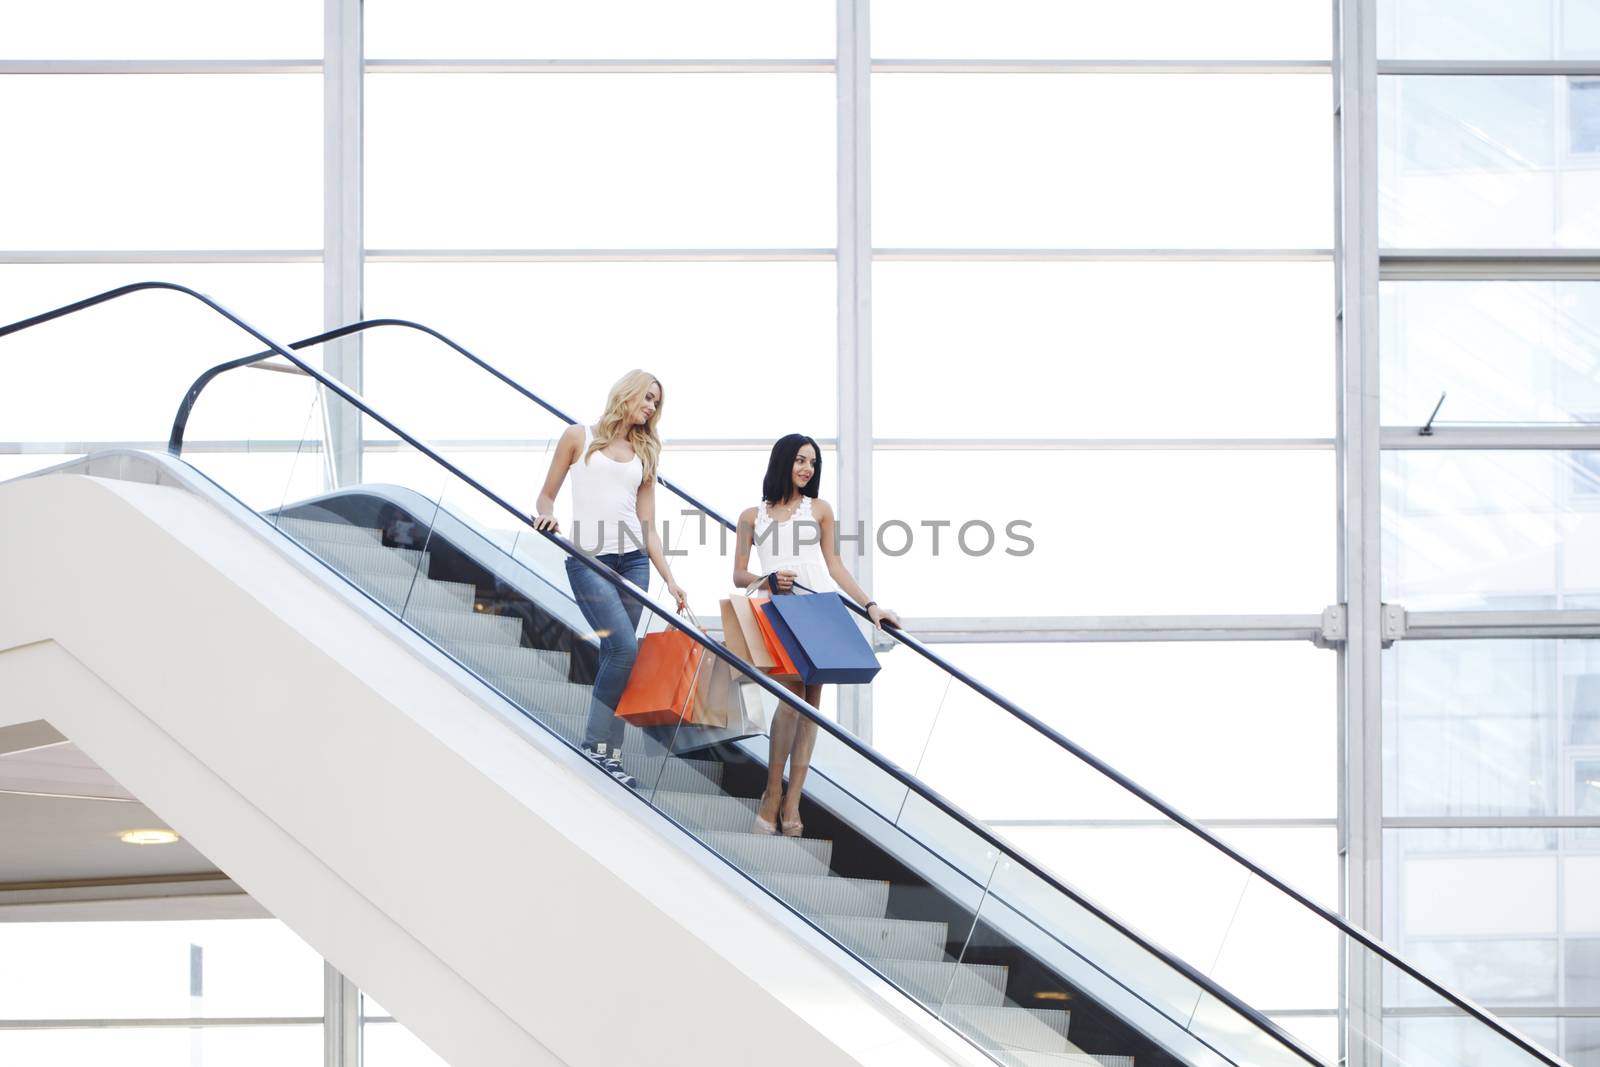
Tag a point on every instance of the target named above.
point(566, 455)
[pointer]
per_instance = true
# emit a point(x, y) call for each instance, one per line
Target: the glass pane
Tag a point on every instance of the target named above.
point(84, 970)
point(1101, 161)
point(1582, 1047)
point(223, 1046)
point(1488, 162)
point(567, 331)
point(1515, 530)
point(1146, 29)
point(1114, 349)
point(1224, 532)
point(253, 181)
point(141, 352)
point(1505, 917)
point(632, 160)
point(1492, 728)
point(1247, 729)
point(617, 29)
point(1503, 351)
point(388, 1044)
point(168, 29)
point(1488, 29)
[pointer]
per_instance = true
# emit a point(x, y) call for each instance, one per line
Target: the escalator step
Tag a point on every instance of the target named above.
point(398, 593)
point(899, 939)
point(556, 704)
point(1014, 1028)
point(827, 895)
point(947, 982)
point(500, 660)
point(732, 814)
point(769, 852)
point(467, 627)
point(1018, 1058)
point(311, 529)
point(349, 559)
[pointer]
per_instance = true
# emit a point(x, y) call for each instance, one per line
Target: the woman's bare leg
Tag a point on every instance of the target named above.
point(805, 740)
point(784, 722)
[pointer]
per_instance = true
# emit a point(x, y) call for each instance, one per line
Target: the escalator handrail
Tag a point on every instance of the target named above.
point(911, 783)
point(1366, 940)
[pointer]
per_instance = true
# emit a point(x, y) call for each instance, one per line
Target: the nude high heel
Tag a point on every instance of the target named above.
point(762, 826)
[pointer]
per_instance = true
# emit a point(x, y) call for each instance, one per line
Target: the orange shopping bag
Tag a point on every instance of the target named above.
point(661, 689)
point(785, 670)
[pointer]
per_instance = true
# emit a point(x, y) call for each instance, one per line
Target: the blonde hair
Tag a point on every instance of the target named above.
point(615, 423)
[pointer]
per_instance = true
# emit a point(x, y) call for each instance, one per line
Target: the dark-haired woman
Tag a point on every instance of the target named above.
point(795, 537)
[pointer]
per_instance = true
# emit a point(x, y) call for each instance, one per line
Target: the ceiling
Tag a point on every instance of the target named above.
point(60, 856)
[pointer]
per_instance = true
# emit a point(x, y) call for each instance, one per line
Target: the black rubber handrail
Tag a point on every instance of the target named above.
point(910, 782)
point(1360, 936)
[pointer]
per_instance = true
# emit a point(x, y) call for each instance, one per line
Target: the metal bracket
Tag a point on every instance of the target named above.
point(1394, 624)
point(1333, 630)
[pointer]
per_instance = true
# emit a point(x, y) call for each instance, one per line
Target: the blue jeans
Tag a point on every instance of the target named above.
point(616, 618)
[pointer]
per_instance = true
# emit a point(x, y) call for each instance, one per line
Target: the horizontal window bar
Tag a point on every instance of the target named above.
point(1490, 438)
point(160, 66)
point(1095, 628)
point(1477, 625)
point(1489, 265)
point(600, 66)
point(1108, 255)
point(1491, 822)
point(308, 255)
point(200, 1022)
point(1489, 67)
point(1520, 1011)
point(1139, 824)
point(1108, 444)
point(1102, 66)
point(597, 255)
point(677, 255)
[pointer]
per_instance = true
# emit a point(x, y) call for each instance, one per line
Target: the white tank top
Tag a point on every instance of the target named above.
point(605, 501)
point(794, 544)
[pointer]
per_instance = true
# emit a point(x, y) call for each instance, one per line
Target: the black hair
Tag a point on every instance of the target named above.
point(779, 482)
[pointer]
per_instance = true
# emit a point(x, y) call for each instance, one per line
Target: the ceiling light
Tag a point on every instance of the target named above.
point(1051, 994)
point(147, 837)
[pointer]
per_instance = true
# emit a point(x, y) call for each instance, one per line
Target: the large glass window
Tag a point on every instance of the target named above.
point(601, 29)
point(727, 339)
point(1488, 162)
point(1103, 350)
point(1121, 532)
point(1492, 728)
point(1506, 530)
point(1136, 29)
point(161, 29)
point(163, 161)
point(1489, 29)
point(1100, 161)
point(600, 161)
point(1503, 351)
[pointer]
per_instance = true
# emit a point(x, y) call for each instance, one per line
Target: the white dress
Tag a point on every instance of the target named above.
point(794, 544)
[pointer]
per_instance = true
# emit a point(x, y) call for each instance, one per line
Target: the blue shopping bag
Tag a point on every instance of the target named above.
point(820, 636)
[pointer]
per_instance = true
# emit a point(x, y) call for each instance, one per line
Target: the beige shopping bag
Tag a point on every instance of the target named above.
point(716, 699)
point(744, 625)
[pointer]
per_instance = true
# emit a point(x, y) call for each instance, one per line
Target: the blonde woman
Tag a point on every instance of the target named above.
point(789, 508)
point(613, 467)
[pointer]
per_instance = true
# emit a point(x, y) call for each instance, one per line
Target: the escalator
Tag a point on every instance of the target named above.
point(1011, 954)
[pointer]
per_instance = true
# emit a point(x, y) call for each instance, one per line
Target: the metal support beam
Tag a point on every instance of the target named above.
point(341, 226)
point(341, 1028)
point(1357, 451)
point(853, 71)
